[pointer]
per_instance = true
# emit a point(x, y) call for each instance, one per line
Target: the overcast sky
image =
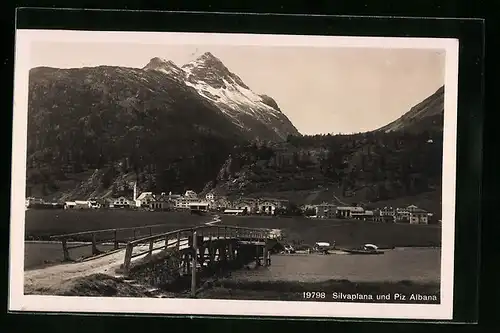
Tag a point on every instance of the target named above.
point(321, 90)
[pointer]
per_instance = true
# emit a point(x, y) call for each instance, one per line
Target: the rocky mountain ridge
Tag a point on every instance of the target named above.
point(426, 115)
point(96, 130)
point(155, 122)
point(217, 84)
point(401, 160)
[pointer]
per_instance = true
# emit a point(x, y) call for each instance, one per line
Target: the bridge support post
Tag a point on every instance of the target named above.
point(187, 263)
point(94, 245)
point(128, 258)
point(210, 254)
point(65, 249)
point(166, 242)
point(151, 245)
point(193, 269)
point(201, 254)
point(223, 253)
point(116, 239)
point(230, 251)
point(257, 256)
point(265, 256)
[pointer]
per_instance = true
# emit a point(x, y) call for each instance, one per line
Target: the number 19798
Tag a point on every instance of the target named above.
point(313, 294)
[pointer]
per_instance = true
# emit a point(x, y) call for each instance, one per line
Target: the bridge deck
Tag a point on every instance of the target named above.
point(108, 263)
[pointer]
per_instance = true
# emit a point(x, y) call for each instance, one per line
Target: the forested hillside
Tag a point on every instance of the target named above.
point(377, 166)
point(96, 131)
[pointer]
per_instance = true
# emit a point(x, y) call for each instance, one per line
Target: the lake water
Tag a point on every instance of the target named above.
point(414, 264)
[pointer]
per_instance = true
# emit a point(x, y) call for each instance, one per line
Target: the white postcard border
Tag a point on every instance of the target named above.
point(20, 302)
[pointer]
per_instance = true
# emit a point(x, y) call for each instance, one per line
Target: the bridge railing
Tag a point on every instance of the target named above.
point(115, 239)
point(184, 237)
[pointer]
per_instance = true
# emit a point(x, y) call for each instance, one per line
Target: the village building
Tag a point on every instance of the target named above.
point(367, 215)
point(190, 194)
point(30, 201)
point(120, 202)
point(326, 211)
point(94, 204)
point(279, 203)
point(107, 203)
point(419, 216)
point(346, 212)
point(412, 214)
point(162, 202)
point(308, 207)
point(82, 204)
point(267, 207)
point(234, 212)
point(388, 211)
point(212, 200)
point(221, 203)
point(378, 217)
point(412, 208)
point(183, 202)
point(402, 215)
point(144, 200)
point(198, 206)
point(69, 205)
point(246, 207)
point(173, 196)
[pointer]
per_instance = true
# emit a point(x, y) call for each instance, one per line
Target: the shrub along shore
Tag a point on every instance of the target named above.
point(100, 285)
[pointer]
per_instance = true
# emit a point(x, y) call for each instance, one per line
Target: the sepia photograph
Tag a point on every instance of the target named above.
point(233, 174)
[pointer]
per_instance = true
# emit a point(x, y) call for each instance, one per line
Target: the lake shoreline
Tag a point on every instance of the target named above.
point(406, 292)
point(40, 225)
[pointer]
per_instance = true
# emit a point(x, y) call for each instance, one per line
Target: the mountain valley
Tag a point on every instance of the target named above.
point(94, 131)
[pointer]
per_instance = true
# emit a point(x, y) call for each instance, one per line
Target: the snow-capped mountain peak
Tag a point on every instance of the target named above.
point(210, 69)
point(165, 66)
point(213, 81)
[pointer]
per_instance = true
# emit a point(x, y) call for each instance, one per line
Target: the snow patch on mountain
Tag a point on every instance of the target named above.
point(165, 66)
point(213, 81)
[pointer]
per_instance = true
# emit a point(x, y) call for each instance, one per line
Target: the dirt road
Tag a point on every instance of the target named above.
point(50, 278)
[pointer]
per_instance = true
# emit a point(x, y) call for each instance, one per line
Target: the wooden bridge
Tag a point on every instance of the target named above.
point(160, 256)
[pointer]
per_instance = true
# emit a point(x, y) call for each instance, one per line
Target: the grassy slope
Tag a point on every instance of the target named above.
point(293, 291)
point(102, 285)
point(97, 285)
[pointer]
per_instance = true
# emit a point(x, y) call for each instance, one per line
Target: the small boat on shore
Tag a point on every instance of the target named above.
point(366, 249)
point(323, 247)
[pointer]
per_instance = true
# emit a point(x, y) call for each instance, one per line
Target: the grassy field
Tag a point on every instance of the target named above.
point(40, 224)
point(103, 285)
point(331, 290)
point(345, 233)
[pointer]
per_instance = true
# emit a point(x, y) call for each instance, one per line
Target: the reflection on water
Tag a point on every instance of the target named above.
point(415, 264)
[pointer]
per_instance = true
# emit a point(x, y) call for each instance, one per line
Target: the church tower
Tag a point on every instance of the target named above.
point(135, 191)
